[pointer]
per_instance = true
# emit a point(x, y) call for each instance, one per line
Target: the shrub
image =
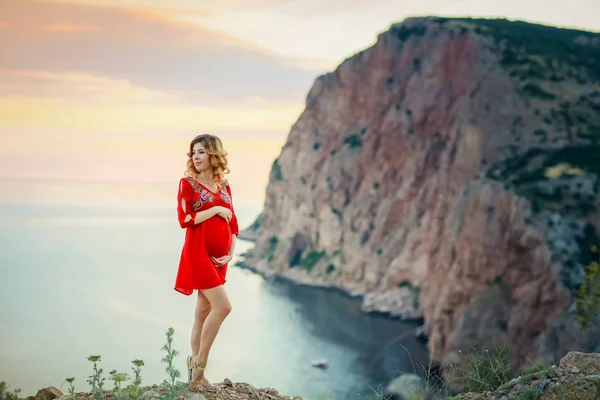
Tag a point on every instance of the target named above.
point(482, 370)
point(588, 295)
point(353, 141)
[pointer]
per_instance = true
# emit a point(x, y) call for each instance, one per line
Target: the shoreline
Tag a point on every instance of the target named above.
point(417, 322)
point(242, 264)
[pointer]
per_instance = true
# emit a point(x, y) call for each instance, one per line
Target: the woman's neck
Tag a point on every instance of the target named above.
point(204, 176)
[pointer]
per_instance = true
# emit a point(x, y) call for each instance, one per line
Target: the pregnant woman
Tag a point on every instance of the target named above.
point(205, 210)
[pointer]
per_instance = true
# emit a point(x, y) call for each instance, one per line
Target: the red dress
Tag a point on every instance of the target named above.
point(209, 238)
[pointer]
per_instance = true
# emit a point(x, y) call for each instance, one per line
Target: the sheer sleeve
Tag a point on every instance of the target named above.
point(233, 224)
point(185, 198)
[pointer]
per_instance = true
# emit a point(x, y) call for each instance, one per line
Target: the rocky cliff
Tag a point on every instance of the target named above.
point(448, 172)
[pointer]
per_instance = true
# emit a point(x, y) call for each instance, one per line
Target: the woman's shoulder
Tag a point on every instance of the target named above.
point(186, 181)
point(187, 178)
point(225, 185)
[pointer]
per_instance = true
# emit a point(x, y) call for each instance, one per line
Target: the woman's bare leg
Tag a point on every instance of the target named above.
point(220, 308)
point(203, 308)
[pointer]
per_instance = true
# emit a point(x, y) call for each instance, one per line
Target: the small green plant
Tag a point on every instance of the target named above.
point(527, 378)
point(118, 378)
point(484, 370)
point(529, 394)
point(541, 367)
point(309, 261)
point(353, 141)
point(276, 170)
point(272, 249)
point(6, 395)
point(588, 295)
point(134, 389)
point(96, 380)
point(168, 359)
point(434, 385)
point(71, 388)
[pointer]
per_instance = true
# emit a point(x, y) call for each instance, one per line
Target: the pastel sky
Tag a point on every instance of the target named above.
point(113, 90)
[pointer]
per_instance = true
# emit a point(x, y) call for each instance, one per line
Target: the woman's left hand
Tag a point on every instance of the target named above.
point(219, 262)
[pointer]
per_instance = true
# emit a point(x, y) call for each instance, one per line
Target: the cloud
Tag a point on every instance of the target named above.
point(166, 8)
point(77, 87)
point(70, 28)
point(209, 67)
point(208, 8)
point(312, 8)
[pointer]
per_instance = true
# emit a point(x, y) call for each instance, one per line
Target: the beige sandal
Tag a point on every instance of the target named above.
point(189, 369)
point(196, 384)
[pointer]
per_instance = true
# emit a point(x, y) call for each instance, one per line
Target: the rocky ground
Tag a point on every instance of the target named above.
point(576, 378)
point(228, 390)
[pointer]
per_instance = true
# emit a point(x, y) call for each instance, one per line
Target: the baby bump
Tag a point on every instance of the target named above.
point(217, 236)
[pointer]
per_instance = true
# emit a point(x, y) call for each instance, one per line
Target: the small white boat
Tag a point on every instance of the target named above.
point(322, 363)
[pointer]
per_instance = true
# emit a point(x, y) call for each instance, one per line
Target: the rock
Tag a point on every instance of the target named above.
point(48, 393)
point(246, 388)
point(406, 386)
point(430, 163)
point(194, 396)
point(576, 362)
point(398, 302)
point(180, 385)
point(421, 332)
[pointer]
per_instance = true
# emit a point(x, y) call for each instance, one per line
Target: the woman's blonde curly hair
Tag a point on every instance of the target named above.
point(217, 158)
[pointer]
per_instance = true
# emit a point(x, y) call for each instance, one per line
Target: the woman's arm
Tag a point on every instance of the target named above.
point(233, 223)
point(232, 248)
point(185, 216)
point(202, 215)
point(235, 231)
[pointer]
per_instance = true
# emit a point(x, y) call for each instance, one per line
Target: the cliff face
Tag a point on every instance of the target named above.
point(449, 172)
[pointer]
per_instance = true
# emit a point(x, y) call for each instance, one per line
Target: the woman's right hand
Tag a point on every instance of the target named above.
point(223, 212)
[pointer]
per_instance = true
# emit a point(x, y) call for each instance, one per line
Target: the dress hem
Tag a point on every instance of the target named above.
point(190, 291)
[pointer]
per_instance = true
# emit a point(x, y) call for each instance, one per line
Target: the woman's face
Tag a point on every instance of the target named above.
point(200, 157)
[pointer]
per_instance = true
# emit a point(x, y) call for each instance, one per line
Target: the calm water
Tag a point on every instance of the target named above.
point(78, 279)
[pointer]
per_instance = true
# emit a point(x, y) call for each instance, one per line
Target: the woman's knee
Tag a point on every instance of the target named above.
point(219, 301)
point(202, 311)
point(223, 310)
